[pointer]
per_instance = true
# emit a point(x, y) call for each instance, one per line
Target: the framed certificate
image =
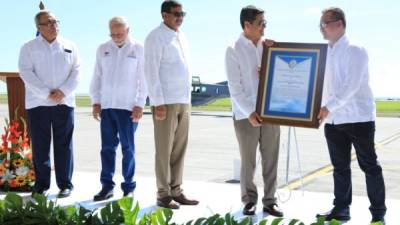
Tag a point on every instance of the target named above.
point(291, 82)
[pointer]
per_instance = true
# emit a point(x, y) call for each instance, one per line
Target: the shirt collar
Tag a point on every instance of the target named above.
point(247, 41)
point(127, 42)
point(41, 38)
point(342, 41)
point(166, 28)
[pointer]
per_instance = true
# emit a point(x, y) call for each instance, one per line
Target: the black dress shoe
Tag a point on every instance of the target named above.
point(103, 195)
point(249, 209)
point(273, 210)
point(64, 192)
point(337, 214)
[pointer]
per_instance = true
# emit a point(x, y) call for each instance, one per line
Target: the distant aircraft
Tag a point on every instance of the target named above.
point(203, 94)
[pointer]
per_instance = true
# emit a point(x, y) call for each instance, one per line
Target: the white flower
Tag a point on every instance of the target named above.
point(7, 176)
point(22, 171)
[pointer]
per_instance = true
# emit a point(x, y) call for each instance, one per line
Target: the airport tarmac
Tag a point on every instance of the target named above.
point(213, 151)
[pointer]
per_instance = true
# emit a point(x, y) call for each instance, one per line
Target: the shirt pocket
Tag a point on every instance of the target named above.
point(131, 64)
point(172, 52)
point(38, 59)
point(106, 63)
point(64, 61)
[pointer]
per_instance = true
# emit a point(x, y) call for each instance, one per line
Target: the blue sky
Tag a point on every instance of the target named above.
point(210, 27)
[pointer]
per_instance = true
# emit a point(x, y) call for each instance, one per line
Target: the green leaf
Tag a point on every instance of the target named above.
point(334, 222)
point(199, 221)
point(276, 221)
point(168, 214)
point(130, 214)
point(246, 221)
point(160, 217)
point(220, 221)
point(295, 221)
point(263, 222)
point(126, 203)
point(13, 201)
point(228, 219)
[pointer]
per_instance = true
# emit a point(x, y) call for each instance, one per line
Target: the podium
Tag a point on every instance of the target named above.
point(15, 93)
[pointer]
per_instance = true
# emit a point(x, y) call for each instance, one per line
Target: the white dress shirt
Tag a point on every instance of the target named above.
point(45, 66)
point(118, 80)
point(347, 93)
point(242, 61)
point(167, 67)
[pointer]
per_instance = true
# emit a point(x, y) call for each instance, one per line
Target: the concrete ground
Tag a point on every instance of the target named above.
point(210, 158)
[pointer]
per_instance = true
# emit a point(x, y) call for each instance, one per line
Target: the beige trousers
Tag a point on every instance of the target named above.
point(171, 138)
point(267, 137)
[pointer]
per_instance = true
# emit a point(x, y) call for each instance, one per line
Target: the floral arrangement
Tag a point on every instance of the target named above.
point(16, 167)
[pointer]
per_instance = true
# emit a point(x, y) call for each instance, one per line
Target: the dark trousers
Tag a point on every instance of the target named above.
point(45, 121)
point(117, 126)
point(361, 135)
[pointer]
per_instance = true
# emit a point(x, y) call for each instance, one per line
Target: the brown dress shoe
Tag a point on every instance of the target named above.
point(273, 210)
point(185, 201)
point(167, 202)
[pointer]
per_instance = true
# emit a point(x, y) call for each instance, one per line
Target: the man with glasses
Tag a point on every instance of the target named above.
point(167, 70)
point(118, 92)
point(49, 66)
point(243, 61)
point(349, 111)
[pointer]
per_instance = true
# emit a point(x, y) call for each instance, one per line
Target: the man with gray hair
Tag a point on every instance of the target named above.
point(118, 92)
point(49, 66)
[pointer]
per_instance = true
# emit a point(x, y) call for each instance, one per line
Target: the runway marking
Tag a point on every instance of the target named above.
point(297, 183)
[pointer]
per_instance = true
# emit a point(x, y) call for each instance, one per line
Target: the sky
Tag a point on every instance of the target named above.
point(210, 26)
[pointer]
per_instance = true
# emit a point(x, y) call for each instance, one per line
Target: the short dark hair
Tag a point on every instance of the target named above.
point(249, 14)
point(337, 14)
point(167, 5)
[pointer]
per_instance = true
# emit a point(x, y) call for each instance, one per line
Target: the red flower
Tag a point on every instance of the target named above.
point(13, 183)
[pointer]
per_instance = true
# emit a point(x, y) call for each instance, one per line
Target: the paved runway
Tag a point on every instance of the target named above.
point(213, 149)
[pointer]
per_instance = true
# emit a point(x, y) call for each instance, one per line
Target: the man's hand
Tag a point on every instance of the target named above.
point(255, 119)
point(160, 112)
point(96, 111)
point(57, 96)
point(323, 113)
point(137, 113)
point(268, 42)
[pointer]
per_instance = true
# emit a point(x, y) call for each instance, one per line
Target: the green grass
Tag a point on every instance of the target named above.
point(223, 105)
point(383, 108)
point(388, 106)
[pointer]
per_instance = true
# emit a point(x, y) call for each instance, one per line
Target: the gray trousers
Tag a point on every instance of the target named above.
point(171, 138)
point(267, 137)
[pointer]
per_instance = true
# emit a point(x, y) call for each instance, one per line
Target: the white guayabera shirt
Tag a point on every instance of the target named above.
point(46, 66)
point(167, 67)
point(347, 92)
point(242, 61)
point(118, 80)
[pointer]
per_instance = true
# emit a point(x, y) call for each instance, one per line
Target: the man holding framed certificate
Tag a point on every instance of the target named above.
point(349, 111)
point(243, 61)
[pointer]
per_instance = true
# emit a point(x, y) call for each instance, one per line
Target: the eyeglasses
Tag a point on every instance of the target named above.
point(178, 14)
point(262, 23)
point(323, 25)
point(50, 23)
point(117, 35)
